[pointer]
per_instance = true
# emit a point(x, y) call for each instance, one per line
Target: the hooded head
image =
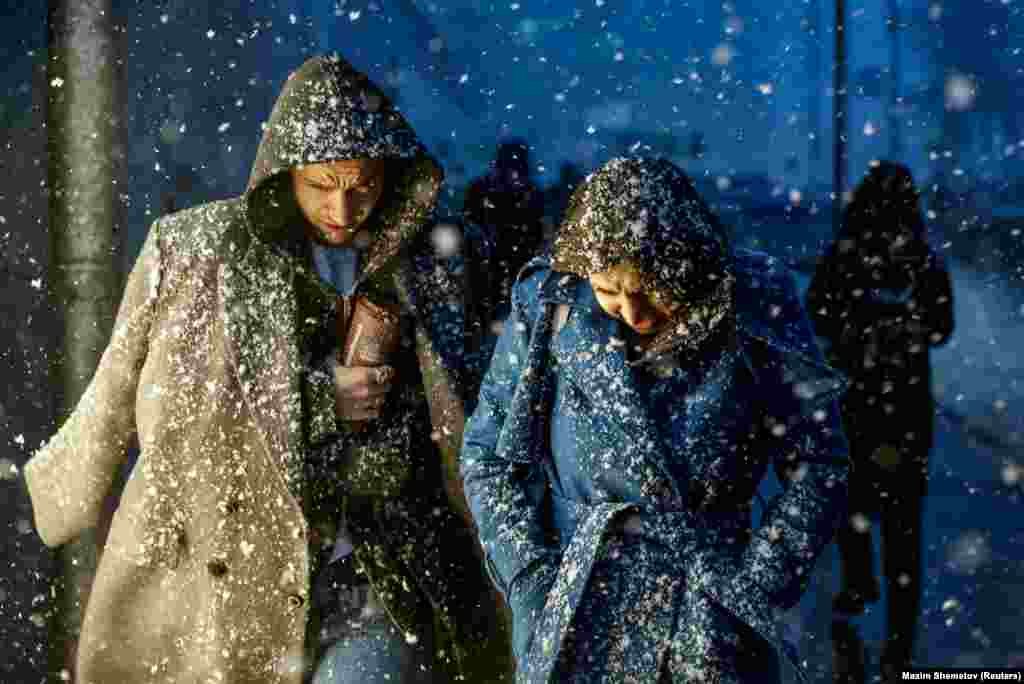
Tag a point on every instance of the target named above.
point(646, 213)
point(329, 112)
point(882, 225)
point(512, 163)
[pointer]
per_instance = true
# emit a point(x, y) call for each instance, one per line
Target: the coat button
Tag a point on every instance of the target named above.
point(295, 601)
point(217, 568)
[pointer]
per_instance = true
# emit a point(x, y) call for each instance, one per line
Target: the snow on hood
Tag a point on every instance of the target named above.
point(328, 111)
point(648, 211)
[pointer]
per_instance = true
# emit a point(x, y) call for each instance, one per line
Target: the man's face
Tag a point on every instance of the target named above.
point(619, 293)
point(337, 197)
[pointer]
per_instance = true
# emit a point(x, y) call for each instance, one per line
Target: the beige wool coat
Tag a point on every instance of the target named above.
point(206, 573)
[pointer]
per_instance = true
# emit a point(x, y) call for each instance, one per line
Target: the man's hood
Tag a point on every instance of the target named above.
point(328, 111)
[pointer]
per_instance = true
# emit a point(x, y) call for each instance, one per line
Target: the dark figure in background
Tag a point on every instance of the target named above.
point(556, 198)
point(880, 299)
point(508, 208)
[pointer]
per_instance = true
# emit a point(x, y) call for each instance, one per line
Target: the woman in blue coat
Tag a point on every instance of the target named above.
point(646, 378)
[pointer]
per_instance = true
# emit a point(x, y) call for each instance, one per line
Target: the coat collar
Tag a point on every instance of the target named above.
point(776, 335)
point(260, 311)
point(594, 362)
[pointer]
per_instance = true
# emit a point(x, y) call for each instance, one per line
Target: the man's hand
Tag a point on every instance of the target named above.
point(360, 391)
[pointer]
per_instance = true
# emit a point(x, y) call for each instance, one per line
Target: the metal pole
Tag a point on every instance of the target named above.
point(839, 124)
point(826, 582)
point(814, 89)
point(895, 83)
point(81, 121)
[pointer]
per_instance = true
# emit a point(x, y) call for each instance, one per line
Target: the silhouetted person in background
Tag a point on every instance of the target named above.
point(556, 198)
point(880, 299)
point(508, 207)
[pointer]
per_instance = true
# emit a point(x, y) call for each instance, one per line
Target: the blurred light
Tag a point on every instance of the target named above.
point(446, 239)
point(170, 132)
point(722, 55)
point(870, 128)
point(1012, 474)
point(529, 27)
point(860, 522)
point(960, 93)
point(8, 469)
point(969, 552)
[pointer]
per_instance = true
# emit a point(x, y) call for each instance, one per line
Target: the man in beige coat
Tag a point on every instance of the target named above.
point(246, 456)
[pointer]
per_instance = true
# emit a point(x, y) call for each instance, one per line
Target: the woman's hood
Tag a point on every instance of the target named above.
point(329, 111)
point(648, 211)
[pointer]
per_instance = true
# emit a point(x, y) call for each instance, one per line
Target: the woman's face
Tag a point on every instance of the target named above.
point(337, 197)
point(619, 293)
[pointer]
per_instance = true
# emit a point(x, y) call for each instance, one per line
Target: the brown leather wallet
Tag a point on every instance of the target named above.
point(371, 333)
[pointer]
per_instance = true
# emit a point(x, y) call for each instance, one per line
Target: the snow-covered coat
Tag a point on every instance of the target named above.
point(206, 572)
point(613, 500)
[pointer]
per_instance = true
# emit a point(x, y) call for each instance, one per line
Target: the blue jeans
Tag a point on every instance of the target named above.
point(362, 644)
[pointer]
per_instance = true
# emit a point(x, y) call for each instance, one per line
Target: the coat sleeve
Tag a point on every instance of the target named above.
point(505, 495)
point(932, 312)
point(827, 304)
point(805, 440)
point(431, 284)
point(71, 475)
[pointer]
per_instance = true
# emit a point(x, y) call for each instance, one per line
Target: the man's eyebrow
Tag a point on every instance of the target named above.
point(317, 175)
point(330, 176)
